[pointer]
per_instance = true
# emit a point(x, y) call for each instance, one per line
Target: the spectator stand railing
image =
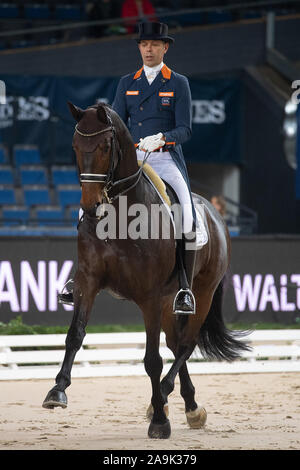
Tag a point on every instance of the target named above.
point(241, 220)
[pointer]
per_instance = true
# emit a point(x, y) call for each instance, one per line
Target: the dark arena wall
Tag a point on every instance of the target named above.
point(263, 283)
point(201, 50)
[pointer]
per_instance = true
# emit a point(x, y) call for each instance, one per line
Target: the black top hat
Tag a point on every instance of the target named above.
point(156, 31)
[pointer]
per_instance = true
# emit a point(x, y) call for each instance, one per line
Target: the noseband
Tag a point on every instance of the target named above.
point(108, 178)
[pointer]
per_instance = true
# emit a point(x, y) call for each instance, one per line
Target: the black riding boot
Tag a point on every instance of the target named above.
point(66, 295)
point(184, 302)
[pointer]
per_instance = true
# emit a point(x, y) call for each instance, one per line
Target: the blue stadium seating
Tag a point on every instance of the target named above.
point(3, 155)
point(22, 43)
point(219, 16)
point(68, 12)
point(188, 19)
point(49, 215)
point(251, 14)
point(26, 155)
point(64, 175)
point(6, 175)
point(37, 12)
point(73, 214)
point(68, 195)
point(36, 194)
point(9, 10)
point(15, 215)
point(31, 174)
point(7, 194)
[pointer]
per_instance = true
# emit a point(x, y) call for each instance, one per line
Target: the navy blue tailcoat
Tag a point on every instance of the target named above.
point(164, 106)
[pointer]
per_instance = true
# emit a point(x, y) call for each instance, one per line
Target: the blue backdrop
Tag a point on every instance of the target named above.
point(36, 112)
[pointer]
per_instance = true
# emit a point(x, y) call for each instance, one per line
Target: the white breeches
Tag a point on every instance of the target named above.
point(166, 168)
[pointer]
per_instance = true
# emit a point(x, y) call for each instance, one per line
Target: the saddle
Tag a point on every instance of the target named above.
point(157, 182)
point(169, 197)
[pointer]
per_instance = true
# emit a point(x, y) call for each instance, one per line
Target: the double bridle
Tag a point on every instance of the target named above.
point(108, 178)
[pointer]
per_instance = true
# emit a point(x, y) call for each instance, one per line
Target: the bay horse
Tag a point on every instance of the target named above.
point(142, 270)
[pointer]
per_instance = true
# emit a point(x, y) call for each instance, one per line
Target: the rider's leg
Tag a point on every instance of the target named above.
point(184, 301)
point(66, 295)
point(166, 168)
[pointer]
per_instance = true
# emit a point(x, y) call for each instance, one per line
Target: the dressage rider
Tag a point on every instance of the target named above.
point(157, 101)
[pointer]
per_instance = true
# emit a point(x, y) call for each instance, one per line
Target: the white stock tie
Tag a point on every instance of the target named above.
point(150, 77)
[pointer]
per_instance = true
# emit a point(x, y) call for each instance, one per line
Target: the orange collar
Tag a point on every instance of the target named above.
point(166, 72)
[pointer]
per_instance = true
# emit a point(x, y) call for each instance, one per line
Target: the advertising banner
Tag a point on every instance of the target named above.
point(36, 113)
point(33, 271)
point(263, 284)
point(216, 118)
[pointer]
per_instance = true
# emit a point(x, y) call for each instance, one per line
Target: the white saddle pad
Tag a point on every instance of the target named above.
point(201, 232)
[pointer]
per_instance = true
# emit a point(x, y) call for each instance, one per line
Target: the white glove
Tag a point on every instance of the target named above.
point(151, 143)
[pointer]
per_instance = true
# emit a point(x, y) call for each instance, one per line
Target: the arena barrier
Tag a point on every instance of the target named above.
point(121, 354)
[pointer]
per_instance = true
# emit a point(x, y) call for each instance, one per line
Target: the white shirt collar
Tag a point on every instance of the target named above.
point(155, 69)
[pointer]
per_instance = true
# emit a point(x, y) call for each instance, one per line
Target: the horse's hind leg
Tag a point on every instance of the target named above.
point(84, 295)
point(182, 341)
point(159, 427)
point(196, 416)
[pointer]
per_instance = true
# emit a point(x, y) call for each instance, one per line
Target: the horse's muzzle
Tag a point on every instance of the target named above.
point(91, 211)
point(90, 199)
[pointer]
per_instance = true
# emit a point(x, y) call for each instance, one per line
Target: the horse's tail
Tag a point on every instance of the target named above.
point(215, 341)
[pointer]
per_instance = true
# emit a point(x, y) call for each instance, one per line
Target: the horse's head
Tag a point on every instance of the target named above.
point(94, 145)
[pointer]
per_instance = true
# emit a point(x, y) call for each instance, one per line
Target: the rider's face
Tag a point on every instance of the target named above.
point(153, 51)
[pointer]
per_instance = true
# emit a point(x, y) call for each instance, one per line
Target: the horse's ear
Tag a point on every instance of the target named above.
point(76, 112)
point(101, 113)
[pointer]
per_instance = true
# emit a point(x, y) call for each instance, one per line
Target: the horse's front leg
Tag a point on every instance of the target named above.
point(85, 291)
point(159, 427)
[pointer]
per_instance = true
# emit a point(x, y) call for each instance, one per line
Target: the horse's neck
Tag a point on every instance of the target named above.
point(128, 162)
point(128, 165)
point(142, 190)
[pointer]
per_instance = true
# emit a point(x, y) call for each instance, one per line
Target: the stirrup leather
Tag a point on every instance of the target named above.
point(184, 312)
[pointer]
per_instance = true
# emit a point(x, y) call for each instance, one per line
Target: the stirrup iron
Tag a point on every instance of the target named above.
point(65, 292)
point(184, 312)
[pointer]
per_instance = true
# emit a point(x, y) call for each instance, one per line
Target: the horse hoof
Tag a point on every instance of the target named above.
point(159, 431)
point(196, 419)
point(55, 398)
point(150, 411)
